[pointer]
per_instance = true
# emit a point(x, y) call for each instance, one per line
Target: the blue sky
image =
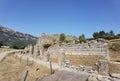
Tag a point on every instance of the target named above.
point(72, 17)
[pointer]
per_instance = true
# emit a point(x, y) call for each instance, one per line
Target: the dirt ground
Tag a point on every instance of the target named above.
point(115, 56)
point(85, 60)
point(5, 49)
point(88, 60)
point(114, 68)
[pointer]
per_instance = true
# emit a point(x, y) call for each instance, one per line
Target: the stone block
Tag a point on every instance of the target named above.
point(103, 67)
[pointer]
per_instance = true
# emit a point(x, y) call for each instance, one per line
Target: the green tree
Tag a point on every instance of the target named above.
point(95, 35)
point(102, 34)
point(82, 38)
point(22, 47)
point(46, 46)
point(1, 44)
point(62, 37)
point(112, 33)
point(118, 34)
point(15, 47)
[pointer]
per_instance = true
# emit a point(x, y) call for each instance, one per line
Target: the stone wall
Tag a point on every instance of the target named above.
point(53, 39)
point(80, 49)
point(93, 47)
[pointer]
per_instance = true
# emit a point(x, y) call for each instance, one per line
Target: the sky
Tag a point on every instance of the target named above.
point(72, 17)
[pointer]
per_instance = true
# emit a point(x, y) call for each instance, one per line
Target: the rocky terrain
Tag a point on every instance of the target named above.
point(10, 37)
point(66, 76)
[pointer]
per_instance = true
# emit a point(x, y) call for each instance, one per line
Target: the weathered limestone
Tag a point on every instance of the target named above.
point(94, 47)
point(36, 51)
point(26, 49)
point(92, 78)
point(61, 59)
point(46, 57)
point(81, 49)
point(104, 78)
point(31, 49)
point(115, 75)
point(67, 63)
point(87, 69)
point(53, 39)
point(47, 39)
point(103, 67)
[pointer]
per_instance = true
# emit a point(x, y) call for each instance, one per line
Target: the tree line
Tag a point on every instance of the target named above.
point(106, 35)
point(100, 34)
point(62, 38)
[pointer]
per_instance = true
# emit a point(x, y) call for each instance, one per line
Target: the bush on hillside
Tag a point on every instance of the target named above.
point(46, 45)
point(115, 47)
point(62, 37)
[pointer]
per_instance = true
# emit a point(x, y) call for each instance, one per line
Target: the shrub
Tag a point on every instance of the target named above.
point(115, 47)
point(46, 45)
point(62, 37)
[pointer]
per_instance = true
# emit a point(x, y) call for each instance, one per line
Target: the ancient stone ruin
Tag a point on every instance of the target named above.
point(60, 50)
point(94, 47)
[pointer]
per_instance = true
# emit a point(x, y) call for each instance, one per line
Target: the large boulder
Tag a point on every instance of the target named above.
point(66, 76)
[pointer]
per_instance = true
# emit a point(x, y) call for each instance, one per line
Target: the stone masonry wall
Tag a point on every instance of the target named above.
point(94, 47)
point(80, 49)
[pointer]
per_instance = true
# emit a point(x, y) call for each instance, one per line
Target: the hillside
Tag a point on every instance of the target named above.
point(13, 38)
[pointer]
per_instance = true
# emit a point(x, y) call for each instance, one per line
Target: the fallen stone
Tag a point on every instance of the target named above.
point(104, 78)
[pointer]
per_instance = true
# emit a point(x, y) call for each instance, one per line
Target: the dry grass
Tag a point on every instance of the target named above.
point(4, 49)
point(54, 59)
point(11, 69)
point(86, 60)
point(37, 71)
point(114, 41)
point(114, 68)
point(115, 55)
point(90, 61)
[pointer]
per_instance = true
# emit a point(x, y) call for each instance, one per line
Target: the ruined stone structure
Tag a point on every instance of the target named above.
point(53, 39)
point(47, 39)
point(93, 47)
point(81, 49)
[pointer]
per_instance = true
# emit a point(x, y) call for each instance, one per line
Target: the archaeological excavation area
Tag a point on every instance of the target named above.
point(90, 59)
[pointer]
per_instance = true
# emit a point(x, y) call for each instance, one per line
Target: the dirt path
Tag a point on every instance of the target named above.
point(3, 54)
